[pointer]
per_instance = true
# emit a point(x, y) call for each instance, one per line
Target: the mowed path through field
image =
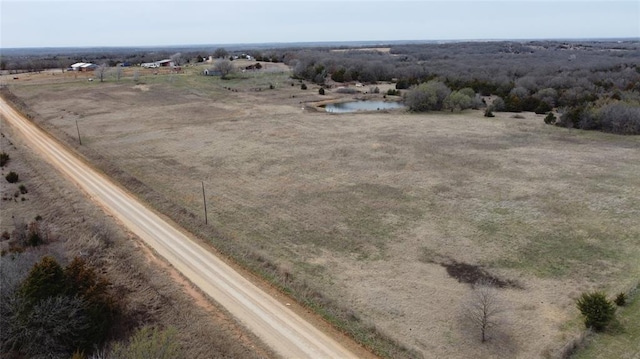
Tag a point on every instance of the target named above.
point(279, 327)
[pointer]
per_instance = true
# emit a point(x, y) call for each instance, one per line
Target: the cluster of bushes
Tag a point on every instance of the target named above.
point(56, 311)
point(598, 311)
point(436, 96)
point(12, 177)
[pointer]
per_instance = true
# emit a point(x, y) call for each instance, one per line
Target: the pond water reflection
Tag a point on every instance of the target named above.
point(362, 106)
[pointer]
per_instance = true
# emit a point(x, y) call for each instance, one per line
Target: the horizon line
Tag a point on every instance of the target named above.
point(324, 42)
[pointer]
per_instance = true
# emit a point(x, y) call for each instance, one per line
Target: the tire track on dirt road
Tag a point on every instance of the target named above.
point(280, 328)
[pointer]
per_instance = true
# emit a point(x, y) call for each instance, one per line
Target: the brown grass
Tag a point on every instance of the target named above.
point(350, 204)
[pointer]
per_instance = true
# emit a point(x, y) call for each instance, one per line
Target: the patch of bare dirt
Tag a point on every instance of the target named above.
point(472, 274)
point(143, 88)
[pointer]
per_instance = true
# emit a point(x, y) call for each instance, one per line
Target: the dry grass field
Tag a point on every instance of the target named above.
point(149, 292)
point(373, 209)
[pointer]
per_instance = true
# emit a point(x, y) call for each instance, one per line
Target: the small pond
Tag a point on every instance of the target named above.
point(362, 106)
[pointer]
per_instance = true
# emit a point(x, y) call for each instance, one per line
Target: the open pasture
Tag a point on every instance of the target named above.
point(371, 207)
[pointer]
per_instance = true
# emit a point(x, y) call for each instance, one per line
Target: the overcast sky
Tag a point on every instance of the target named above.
point(55, 23)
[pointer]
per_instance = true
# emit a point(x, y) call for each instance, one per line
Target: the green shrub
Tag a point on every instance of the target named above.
point(550, 119)
point(4, 158)
point(46, 279)
point(597, 310)
point(488, 112)
point(393, 92)
point(23, 189)
point(101, 307)
point(321, 91)
point(621, 300)
point(12, 177)
point(428, 96)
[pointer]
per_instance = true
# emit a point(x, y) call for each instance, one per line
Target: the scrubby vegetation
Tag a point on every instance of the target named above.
point(55, 311)
point(621, 299)
point(149, 342)
point(4, 159)
point(12, 177)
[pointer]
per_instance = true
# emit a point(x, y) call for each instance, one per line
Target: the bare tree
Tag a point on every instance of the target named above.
point(101, 71)
point(220, 53)
point(117, 73)
point(483, 308)
point(177, 59)
point(225, 67)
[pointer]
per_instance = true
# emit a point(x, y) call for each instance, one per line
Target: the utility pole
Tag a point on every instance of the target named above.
point(204, 199)
point(78, 128)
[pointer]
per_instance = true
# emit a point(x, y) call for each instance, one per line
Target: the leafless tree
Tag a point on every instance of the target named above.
point(483, 308)
point(220, 53)
point(177, 59)
point(53, 328)
point(225, 67)
point(117, 73)
point(101, 71)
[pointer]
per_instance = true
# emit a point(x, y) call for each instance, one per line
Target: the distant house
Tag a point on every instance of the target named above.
point(76, 66)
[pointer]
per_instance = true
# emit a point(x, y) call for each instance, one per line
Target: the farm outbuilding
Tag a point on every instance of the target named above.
point(161, 63)
point(165, 63)
point(83, 66)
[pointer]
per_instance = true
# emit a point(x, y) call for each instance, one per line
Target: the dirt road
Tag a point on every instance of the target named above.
point(279, 327)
